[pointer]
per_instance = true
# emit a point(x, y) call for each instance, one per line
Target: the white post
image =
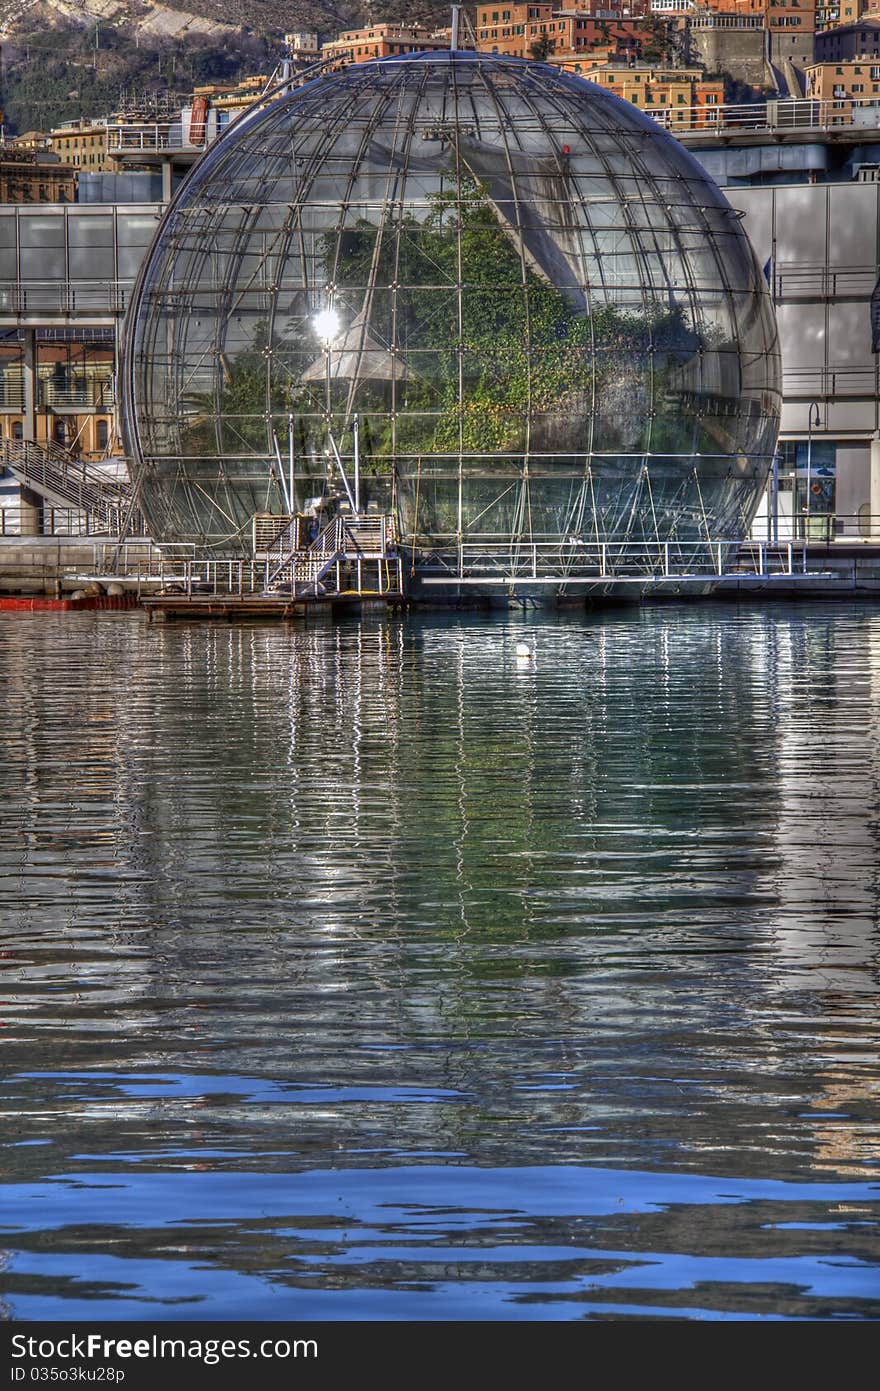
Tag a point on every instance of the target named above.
point(356, 433)
point(281, 478)
point(290, 464)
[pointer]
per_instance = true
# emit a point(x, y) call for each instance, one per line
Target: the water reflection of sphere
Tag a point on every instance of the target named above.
point(547, 319)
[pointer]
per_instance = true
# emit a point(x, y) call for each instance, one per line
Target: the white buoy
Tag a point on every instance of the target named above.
point(524, 652)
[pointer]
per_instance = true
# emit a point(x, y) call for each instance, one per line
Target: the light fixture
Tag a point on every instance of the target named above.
point(326, 324)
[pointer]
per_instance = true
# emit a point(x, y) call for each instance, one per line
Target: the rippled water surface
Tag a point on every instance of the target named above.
point(363, 971)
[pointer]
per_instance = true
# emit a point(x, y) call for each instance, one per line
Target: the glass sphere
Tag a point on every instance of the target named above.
point(542, 315)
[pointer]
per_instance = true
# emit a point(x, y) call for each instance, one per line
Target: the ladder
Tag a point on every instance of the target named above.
point(347, 545)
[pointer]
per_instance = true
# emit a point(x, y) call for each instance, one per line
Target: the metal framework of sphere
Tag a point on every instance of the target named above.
point(545, 319)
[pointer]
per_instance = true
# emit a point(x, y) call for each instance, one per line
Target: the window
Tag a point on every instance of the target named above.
point(103, 434)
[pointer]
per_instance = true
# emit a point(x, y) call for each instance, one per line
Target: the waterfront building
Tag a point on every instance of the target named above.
point(844, 82)
point(303, 45)
point(82, 144)
point(842, 43)
point(832, 14)
point(381, 41)
point(805, 176)
point(679, 97)
point(564, 340)
point(525, 31)
point(35, 176)
point(66, 275)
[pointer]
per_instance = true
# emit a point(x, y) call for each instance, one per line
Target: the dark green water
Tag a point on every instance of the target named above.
point(364, 972)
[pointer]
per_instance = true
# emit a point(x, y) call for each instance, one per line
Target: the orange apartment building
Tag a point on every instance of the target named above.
point(515, 30)
point(835, 12)
point(35, 176)
point(381, 41)
point(845, 83)
point(82, 144)
point(682, 98)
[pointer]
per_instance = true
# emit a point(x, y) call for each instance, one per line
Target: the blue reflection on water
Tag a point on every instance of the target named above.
point(324, 1227)
point(400, 1194)
point(256, 1089)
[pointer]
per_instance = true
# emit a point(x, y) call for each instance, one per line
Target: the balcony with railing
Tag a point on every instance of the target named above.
point(152, 137)
point(49, 298)
point(12, 389)
point(88, 390)
point(775, 118)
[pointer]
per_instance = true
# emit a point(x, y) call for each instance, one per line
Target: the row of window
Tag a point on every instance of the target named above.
point(80, 144)
point(24, 193)
point(60, 431)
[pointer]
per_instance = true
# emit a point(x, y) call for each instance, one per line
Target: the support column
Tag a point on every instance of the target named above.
point(873, 528)
point(29, 431)
point(30, 505)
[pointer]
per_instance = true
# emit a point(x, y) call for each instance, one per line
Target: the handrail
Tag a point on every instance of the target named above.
point(52, 471)
point(64, 296)
point(577, 560)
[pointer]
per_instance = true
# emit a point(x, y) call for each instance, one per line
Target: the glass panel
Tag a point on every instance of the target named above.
point(85, 231)
point(93, 263)
point(43, 230)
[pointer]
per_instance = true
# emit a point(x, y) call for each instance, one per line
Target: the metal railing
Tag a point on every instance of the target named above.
point(59, 522)
point(67, 482)
point(350, 542)
point(820, 528)
point(779, 115)
point(64, 297)
point(82, 393)
point(151, 137)
point(794, 280)
point(576, 561)
point(12, 389)
point(828, 383)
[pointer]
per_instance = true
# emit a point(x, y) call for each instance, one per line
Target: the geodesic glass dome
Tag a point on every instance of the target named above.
point(545, 318)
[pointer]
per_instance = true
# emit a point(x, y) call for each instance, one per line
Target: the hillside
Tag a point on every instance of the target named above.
point(65, 58)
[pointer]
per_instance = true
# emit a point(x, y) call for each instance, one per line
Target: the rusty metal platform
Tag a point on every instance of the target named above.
point(231, 608)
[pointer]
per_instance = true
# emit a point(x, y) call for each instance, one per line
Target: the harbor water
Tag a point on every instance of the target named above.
point(371, 971)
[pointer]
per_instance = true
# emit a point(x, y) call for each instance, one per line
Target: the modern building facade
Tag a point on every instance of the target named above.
point(66, 276)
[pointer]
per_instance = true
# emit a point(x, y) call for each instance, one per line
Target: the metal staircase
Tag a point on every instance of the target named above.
point(347, 556)
point(54, 473)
